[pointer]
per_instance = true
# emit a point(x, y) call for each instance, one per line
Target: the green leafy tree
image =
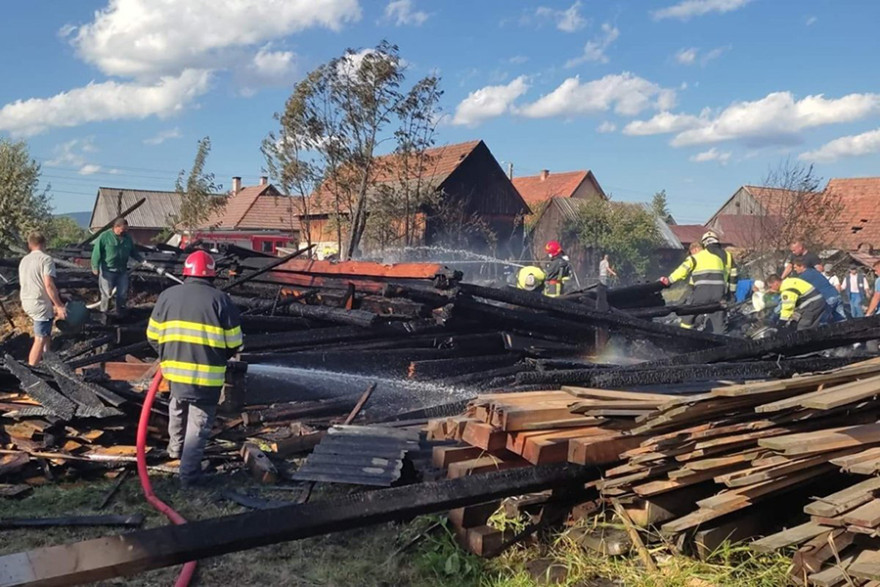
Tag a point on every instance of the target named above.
point(63, 231)
point(23, 206)
point(625, 231)
point(198, 199)
point(330, 135)
point(660, 205)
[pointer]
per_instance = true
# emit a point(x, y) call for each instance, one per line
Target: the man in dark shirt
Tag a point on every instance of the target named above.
point(798, 249)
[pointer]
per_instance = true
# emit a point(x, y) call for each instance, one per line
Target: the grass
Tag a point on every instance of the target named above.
point(369, 556)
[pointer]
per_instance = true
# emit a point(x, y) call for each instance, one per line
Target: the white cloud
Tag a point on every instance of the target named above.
point(777, 117)
point(163, 135)
point(267, 68)
point(403, 12)
point(153, 37)
point(694, 56)
point(691, 8)
point(866, 143)
point(72, 153)
point(773, 120)
point(89, 169)
point(662, 123)
point(489, 102)
point(568, 20)
point(712, 155)
point(811, 20)
point(518, 59)
point(595, 49)
point(104, 101)
point(606, 127)
point(625, 93)
point(686, 56)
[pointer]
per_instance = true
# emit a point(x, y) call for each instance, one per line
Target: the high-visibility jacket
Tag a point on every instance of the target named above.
point(195, 328)
point(797, 295)
point(558, 272)
point(704, 268)
point(529, 278)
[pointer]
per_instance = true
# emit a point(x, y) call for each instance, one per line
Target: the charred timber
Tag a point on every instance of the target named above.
point(785, 343)
point(528, 320)
point(299, 410)
point(267, 267)
point(678, 310)
point(108, 557)
point(360, 318)
point(132, 349)
point(439, 368)
point(590, 316)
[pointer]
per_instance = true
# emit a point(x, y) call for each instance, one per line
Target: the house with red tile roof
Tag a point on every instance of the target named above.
point(537, 190)
point(255, 217)
point(466, 180)
point(858, 226)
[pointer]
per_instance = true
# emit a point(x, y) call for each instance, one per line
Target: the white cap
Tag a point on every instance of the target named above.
point(759, 285)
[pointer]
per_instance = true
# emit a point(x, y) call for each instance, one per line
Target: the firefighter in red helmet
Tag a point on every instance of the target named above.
point(196, 329)
point(558, 271)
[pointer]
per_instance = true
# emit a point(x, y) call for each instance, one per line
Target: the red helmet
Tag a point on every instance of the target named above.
point(199, 264)
point(553, 248)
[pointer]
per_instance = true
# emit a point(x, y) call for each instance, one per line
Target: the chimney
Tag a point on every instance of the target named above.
point(510, 170)
point(236, 185)
point(544, 174)
point(264, 180)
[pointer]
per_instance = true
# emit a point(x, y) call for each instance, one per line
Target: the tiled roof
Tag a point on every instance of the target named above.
point(688, 233)
point(742, 231)
point(771, 198)
point(860, 216)
point(535, 189)
point(440, 162)
point(154, 213)
point(259, 207)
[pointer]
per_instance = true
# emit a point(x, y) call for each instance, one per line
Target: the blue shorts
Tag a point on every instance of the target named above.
point(42, 328)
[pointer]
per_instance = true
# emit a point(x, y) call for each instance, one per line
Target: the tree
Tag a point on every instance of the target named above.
point(329, 138)
point(198, 199)
point(63, 231)
point(625, 231)
point(23, 206)
point(791, 205)
point(661, 207)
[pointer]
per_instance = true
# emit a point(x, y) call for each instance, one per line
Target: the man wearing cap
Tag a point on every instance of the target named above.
point(196, 329)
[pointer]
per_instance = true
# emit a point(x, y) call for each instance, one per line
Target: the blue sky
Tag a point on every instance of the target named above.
point(695, 97)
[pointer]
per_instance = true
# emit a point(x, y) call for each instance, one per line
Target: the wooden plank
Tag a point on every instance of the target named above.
point(483, 464)
point(865, 467)
point(600, 451)
point(473, 515)
point(299, 443)
point(613, 394)
point(866, 565)
point(788, 537)
point(484, 436)
point(553, 447)
point(813, 555)
point(258, 463)
point(841, 395)
point(866, 515)
point(766, 472)
point(834, 576)
point(800, 383)
point(834, 439)
point(122, 371)
point(847, 461)
point(131, 521)
point(844, 500)
point(443, 456)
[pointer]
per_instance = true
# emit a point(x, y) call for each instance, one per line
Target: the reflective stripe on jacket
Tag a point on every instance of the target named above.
point(195, 328)
point(797, 294)
point(704, 268)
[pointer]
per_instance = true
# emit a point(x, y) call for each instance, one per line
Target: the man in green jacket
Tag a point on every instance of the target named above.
point(110, 255)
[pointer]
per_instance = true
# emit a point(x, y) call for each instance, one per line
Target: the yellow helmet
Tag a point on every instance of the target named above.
point(530, 278)
point(709, 238)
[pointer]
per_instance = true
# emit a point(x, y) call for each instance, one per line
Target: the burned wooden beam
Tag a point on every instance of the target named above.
point(589, 316)
point(678, 310)
point(266, 268)
point(132, 349)
point(39, 390)
point(439, 368)
point(785, 343)
point(132, 521)
point(126, 554)
point(299, 410)
point(360, 318)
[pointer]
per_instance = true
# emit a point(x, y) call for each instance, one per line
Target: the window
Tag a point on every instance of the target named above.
point(267, 247)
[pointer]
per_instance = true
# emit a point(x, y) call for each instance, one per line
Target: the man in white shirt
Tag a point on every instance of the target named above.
point(832, 279)
point(39, 297)
point(605, 270)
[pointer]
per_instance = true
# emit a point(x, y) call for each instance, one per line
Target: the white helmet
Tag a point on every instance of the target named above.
point(709, 238)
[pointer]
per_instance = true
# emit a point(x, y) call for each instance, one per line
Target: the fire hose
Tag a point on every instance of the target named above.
point(189, 568)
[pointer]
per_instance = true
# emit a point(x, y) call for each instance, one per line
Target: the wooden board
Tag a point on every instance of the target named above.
point(483, 464)
point(600, 451)
point(788, 537)
point(484, 436)
point(866, 565)
point(844, 500)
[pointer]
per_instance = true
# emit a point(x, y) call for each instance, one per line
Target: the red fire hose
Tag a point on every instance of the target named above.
point(189, 568)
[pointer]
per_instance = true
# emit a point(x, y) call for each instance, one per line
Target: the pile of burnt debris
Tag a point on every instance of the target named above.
point(585, 405)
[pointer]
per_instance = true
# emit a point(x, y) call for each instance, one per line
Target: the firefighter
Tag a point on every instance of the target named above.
point(800, 303)
point(708, 273)
point(712, 244)
point(196, 329)
point(558, 271)
point(530, 278)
